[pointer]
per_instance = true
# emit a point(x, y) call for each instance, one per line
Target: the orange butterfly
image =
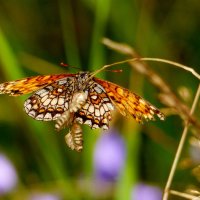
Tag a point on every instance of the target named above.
point(78, 99)
point(54, 94)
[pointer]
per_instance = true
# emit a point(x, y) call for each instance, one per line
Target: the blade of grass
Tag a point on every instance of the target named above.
point(69, 33)
point(97, 57)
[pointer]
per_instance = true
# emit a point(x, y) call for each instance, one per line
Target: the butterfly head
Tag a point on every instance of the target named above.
point(83, 78)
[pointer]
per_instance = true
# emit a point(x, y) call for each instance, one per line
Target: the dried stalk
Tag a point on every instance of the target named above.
point(167, 96)
point(180, 147)
point(184, 195)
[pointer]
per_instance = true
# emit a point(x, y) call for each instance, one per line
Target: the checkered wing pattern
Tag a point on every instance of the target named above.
point(129, 103)
point(51, 101)
point(56, 93)
point(30, 84)
point(96, 112)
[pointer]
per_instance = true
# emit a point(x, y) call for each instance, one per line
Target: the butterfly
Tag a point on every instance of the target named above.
point(78, 99)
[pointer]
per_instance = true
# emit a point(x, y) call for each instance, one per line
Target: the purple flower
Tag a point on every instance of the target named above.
point(44, 196)
point(109, 156)
point(144, 192)
point(8, 175)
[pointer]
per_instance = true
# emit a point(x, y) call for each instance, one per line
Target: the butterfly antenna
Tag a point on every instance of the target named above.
point(67, 65)
point(114, 70)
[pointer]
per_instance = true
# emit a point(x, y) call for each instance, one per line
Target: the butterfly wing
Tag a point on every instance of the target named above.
point(28, 85)
point(51, 101)
point(96, 112)
point(129, 103)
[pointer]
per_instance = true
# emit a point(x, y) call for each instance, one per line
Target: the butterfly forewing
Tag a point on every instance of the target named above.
point(97, 110)
point(129, 103)
point(30, 84)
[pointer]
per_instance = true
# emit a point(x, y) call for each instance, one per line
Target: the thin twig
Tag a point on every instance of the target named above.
point(125, 49)
point(167, 96)
point(180, 147)
point(184, 195)
point(149, 59)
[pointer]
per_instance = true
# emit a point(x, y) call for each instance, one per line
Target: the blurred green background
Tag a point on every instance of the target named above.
point(35, 36)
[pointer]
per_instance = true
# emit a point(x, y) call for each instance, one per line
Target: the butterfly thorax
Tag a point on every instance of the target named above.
point(83, 80)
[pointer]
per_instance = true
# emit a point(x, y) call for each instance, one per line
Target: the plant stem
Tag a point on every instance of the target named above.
point(180, 147)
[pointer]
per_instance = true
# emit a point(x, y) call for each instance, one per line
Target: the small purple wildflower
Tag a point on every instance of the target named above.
point(8, 175)
point(109, 156)
point(144, 192)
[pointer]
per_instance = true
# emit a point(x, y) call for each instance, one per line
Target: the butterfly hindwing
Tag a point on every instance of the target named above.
point(96, 111)
point(51, 101)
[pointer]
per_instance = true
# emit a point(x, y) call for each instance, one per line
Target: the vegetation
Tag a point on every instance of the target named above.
point(132, 161)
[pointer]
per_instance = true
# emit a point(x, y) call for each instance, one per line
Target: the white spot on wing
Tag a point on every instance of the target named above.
point(105, 107)
point(50, 87)
point(105, 127)
point(28, 107)
point(61, 101)
point(62, 81)
point(86, 106)
point(91, 109)
point(110, 106)
point(97, 113)
point(48, 116)
point(44, 94)
point(98, 90)
point(95, 126)
point(27, 102)
point(60, 90)
point(93, 97)
point(105, 121)
point(32, 113)
point(44, 98)
point(102, 111)
point(54, 101)
point(88, 122)
point(40, 92)
point(40, 117)
point(106, 99)
point(79, 119)
point(57, 116)
point(67, 105)
point(47, 102)
point(35, 107)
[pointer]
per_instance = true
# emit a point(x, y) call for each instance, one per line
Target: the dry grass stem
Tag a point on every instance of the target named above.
point(184, 195)
point(167, 96)
point(180, 147)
